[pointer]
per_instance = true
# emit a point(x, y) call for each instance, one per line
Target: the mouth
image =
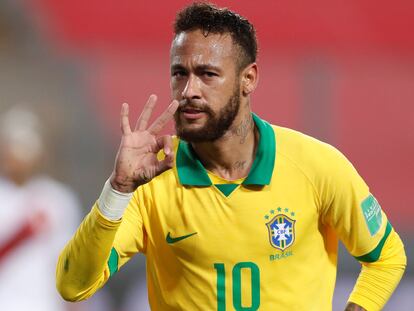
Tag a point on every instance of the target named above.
point(191, 113)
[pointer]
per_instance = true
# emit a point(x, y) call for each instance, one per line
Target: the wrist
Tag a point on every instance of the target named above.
point(122, 184)
point(112, 203)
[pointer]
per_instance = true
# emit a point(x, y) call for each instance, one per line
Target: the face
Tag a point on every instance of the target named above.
point(18, 163)
point(205, 81)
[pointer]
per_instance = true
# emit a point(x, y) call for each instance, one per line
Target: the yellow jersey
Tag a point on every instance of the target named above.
point(265, 242)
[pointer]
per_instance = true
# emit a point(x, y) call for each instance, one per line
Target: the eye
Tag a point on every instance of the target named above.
point(210, 74)
point(178, 73)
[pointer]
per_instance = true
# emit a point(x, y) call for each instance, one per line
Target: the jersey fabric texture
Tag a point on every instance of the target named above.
point(263, 242)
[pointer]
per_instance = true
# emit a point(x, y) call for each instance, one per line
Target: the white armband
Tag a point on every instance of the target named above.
point(112, 203)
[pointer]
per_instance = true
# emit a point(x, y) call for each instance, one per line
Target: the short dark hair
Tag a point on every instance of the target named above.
point(211, 19)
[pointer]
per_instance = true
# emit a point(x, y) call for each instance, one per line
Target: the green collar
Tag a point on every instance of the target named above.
point(192, 173)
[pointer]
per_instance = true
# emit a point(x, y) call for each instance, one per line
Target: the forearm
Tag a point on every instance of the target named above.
point(378, 280)
point(82, 265)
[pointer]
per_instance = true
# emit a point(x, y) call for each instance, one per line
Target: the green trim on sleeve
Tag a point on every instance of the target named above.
point(376, 252)
point(113, 262)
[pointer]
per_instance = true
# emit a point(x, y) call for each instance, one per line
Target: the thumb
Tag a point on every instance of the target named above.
point(166, 164)
point(165, 143)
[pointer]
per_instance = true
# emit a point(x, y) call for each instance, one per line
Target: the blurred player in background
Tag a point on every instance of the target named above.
point(38, 215)
point(234, 214)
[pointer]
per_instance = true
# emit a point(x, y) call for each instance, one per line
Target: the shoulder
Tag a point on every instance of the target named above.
point(54, 191)
point(45, 183)
point(297, 145)
point(6, 186)
point(312, 156)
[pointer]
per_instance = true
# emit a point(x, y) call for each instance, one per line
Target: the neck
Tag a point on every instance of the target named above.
point(232, 155)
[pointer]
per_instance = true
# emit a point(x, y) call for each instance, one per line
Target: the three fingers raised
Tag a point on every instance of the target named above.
point(142, 122)
point(164, 118)
point(125, 127)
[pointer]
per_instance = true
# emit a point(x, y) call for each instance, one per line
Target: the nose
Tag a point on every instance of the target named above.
point(192, 88)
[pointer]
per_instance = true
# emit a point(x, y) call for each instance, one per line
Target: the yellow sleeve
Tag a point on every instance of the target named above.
point(97, 250)
point(358, 220)
point(347, 205)
point(378, 279)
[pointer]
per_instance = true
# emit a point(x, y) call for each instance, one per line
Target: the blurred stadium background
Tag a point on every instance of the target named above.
point(342, 71)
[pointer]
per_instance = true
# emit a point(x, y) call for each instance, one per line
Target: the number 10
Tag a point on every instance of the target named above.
point(237, 289)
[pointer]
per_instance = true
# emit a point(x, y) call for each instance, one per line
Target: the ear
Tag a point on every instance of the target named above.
point(249, 78)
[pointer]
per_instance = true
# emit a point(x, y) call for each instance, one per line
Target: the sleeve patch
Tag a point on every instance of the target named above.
point(372, 214)
point(113, 262)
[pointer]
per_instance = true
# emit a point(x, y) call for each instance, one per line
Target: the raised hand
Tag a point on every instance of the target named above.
point(136, 162)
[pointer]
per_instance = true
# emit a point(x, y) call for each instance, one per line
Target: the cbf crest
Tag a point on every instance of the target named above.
point(281, 231)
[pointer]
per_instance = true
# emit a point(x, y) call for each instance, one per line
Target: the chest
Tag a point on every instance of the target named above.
point(265, 222)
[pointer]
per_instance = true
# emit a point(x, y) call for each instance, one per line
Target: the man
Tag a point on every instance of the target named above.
point(38, 216)
point(234, 214)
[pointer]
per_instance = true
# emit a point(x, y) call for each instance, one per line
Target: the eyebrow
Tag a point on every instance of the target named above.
point(198, 68)
point(177, 67)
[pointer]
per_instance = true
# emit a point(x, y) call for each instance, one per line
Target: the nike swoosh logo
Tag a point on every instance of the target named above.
point(171, 240)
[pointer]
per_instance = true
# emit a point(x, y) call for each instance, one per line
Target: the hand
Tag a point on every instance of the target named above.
point(136, 162)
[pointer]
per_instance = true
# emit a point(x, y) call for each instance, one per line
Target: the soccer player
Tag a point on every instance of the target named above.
point(234, 213)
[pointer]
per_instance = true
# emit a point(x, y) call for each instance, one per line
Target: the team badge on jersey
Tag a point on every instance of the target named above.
point(281, 231)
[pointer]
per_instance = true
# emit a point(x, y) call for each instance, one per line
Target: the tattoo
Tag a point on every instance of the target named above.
point(244, 128)
point(239, 165)
point(141, 174)
point(145, 176)
point(354, 307)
